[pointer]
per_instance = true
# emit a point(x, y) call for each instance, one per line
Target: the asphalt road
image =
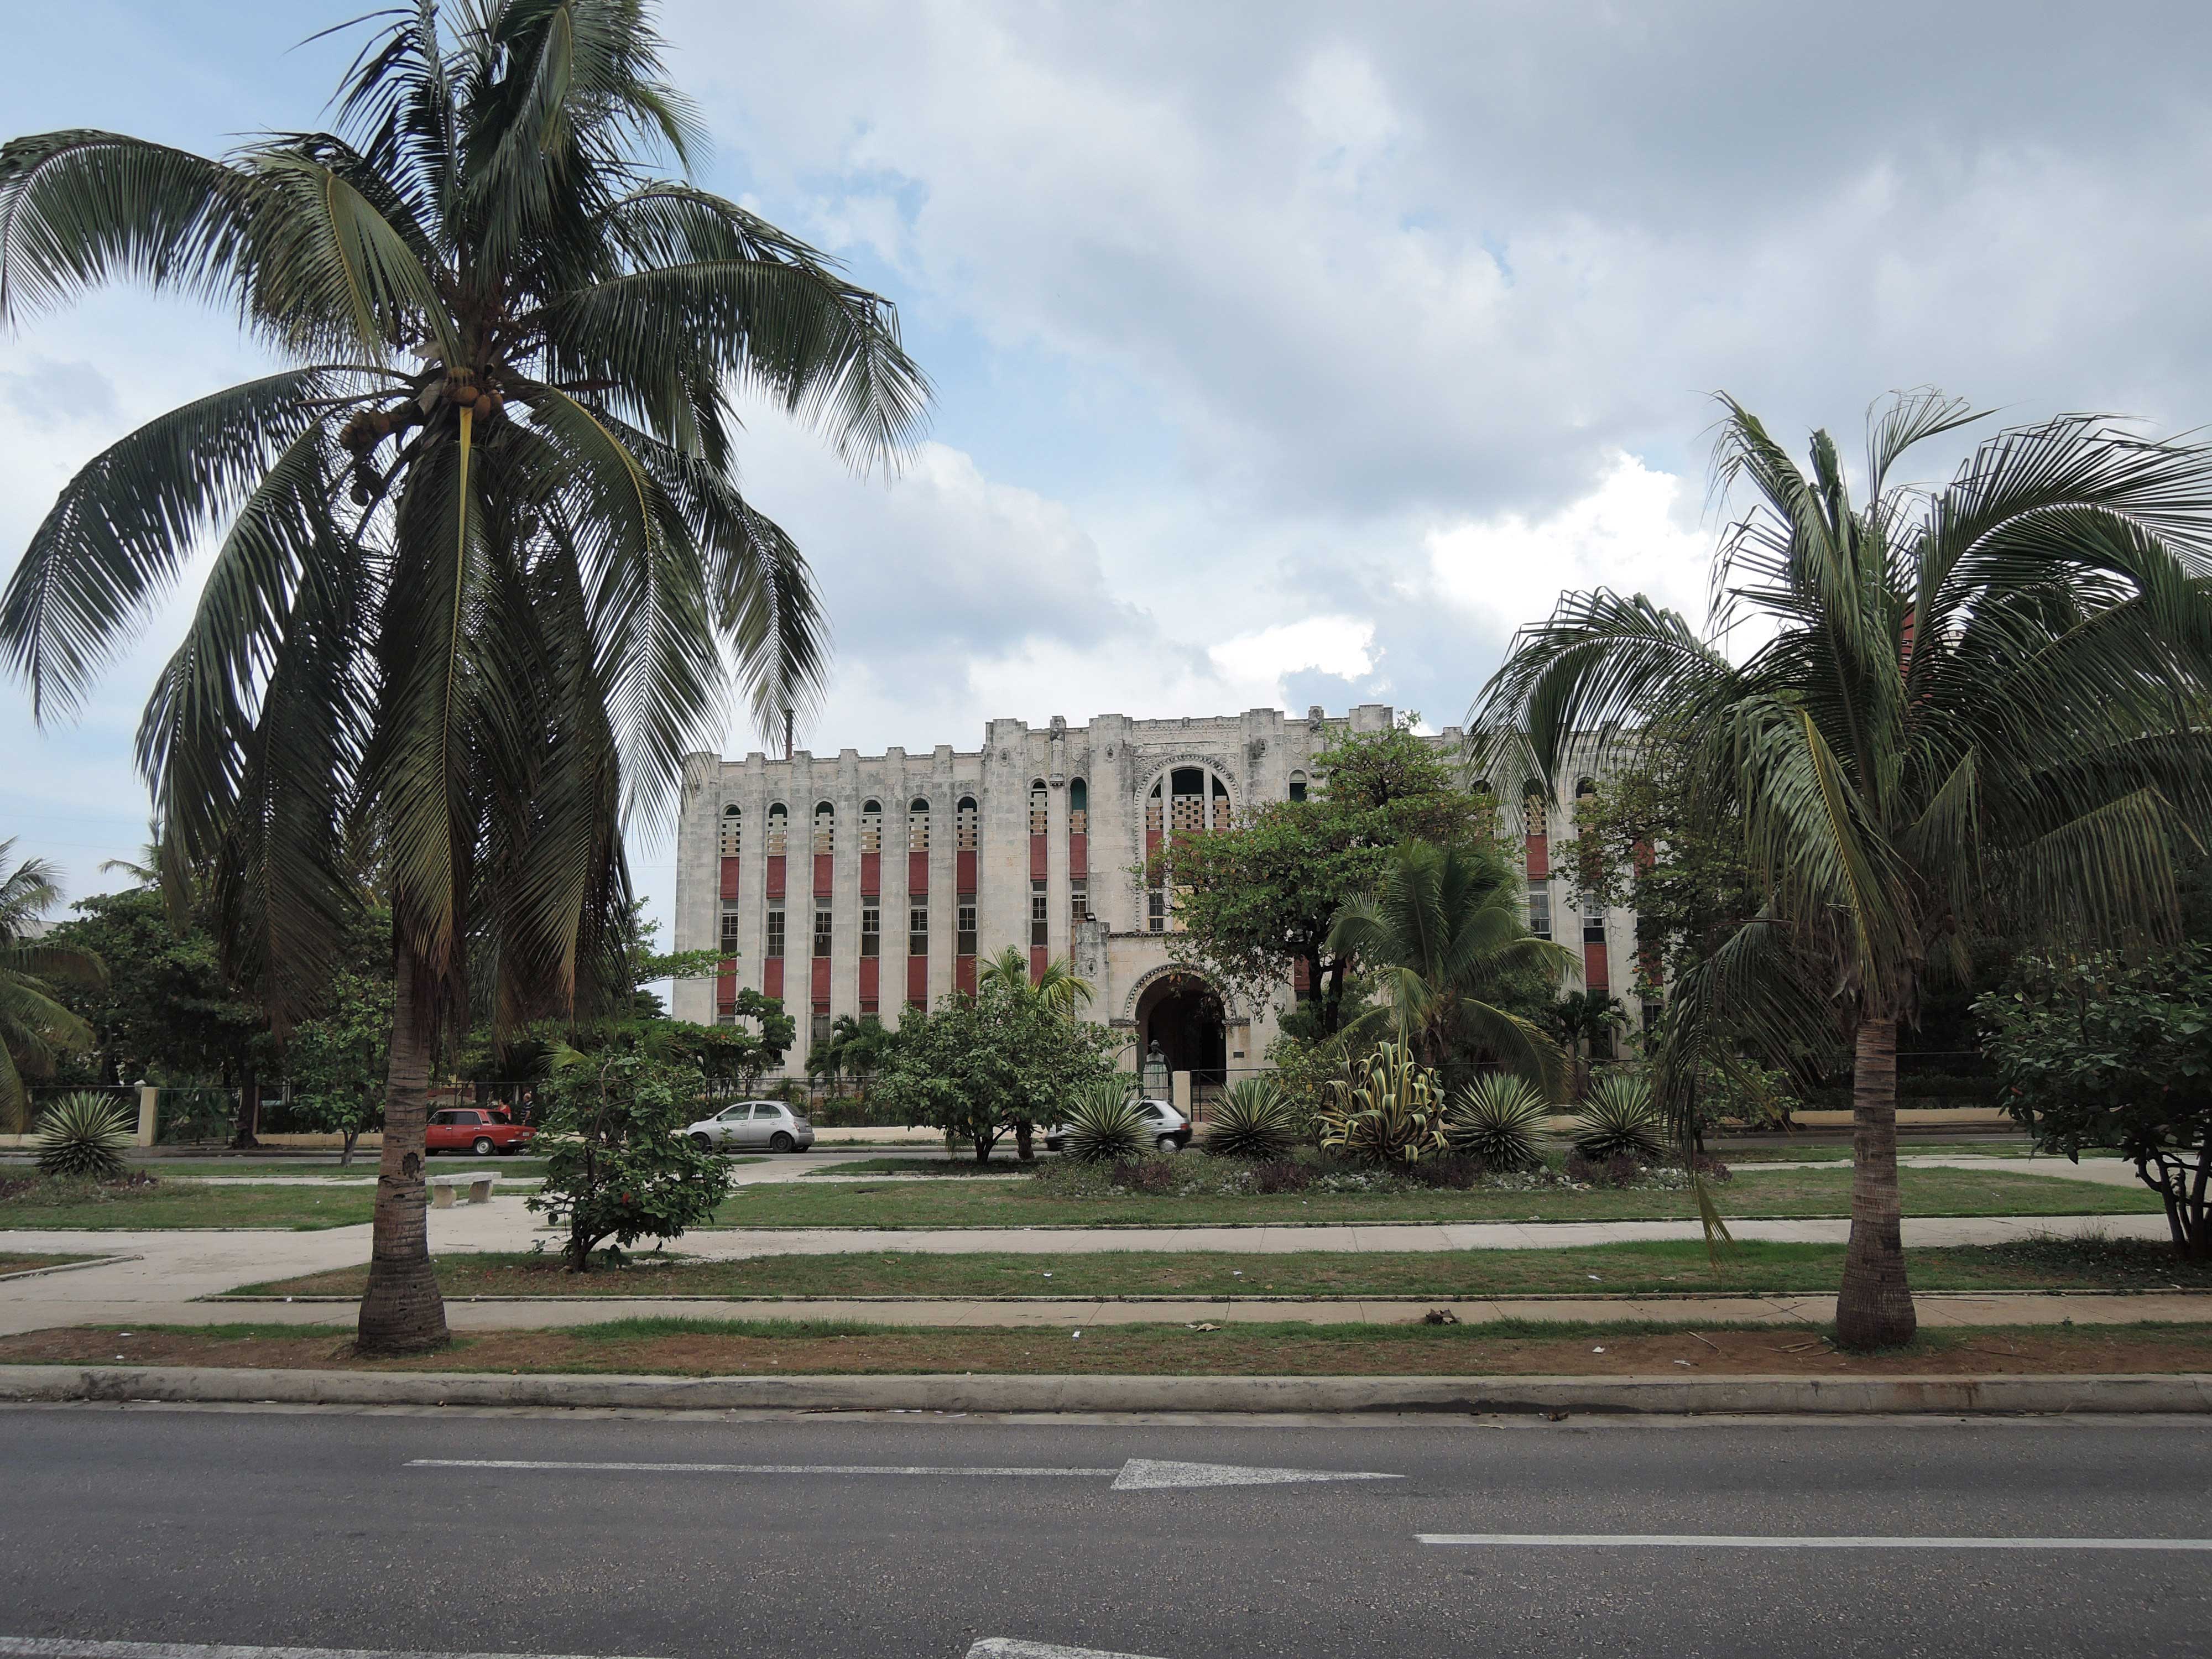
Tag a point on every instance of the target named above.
point(322, 1530)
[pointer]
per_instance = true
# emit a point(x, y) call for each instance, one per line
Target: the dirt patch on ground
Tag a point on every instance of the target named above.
point(704, 1348)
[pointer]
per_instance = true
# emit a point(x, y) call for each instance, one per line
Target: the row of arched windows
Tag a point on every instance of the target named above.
point(730, 841)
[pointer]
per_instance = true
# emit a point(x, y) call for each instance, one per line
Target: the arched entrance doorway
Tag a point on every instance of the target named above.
point(1183, 1014)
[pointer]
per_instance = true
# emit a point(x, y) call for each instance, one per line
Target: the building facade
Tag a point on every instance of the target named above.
point(859, 884)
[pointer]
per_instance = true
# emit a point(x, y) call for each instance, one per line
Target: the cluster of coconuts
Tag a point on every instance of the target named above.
point(463, 392)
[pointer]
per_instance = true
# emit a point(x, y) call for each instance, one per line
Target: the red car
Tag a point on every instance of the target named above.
point(472, 1129)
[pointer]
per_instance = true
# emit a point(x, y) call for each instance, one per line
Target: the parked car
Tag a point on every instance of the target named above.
point(1171, 1129)
point(475, 1129)
point(752, 1125)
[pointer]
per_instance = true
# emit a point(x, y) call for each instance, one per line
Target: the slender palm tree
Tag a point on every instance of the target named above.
point(1443, 942)
point(1058, 986)
point(482, 572)
point(34, 1026)
point(1973, 710)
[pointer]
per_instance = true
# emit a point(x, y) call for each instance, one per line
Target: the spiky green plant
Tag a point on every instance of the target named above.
point(1253, 1119)
point(481, 568)
point(1387, 1108)
point(1500, 1119)
point(1929, 717)
point(1105, 1126)
point(1619, 1116)
point(83, 1135)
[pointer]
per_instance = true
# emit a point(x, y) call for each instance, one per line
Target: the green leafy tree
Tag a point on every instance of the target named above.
point(1445, 942)
point(335, 1061)
point(616, 1167)
point(1058, 988)
point(977, 1067)
point(165, 1012)
point(36, 1025)
point(1254, 901)
point(2104, 1052)
point(480, 564)
point(856, 1049)
point(1974, 711)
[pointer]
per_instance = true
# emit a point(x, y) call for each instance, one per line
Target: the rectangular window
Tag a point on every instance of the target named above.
point(821, 928)
point(1540, 909)
point(1040, 920)
point(1594, 927)
point(917, 930)
point(1078, 898)
point(731, 933)
point(818, 1028)
point(1156, 911)
point(872, 930)
point(774, 948)
point(966, 944)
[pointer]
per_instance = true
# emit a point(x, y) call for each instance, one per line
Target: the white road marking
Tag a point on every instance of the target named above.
point(1726, 1541)
point(60, 1647)
point(1144, 1474)
point(1005, 1647)
point(1137, 1474)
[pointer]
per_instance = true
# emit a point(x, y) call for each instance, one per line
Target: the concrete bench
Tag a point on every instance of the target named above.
point(446, 1189)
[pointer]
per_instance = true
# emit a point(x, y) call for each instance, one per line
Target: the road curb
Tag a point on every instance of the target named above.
point(1948, 1396)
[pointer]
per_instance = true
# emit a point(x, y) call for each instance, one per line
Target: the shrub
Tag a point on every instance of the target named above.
point(1145, 1175)
point(1619, 1117)
point(1389, 1108)
point(1282, 1175)
point(83, 1135)
point(1499, 1120)
point(1254, 1120)
point(1457, 1170)
point(1105, 1126)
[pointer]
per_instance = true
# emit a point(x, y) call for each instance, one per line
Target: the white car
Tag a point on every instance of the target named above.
point(1169, 1129)
point(752, 1126)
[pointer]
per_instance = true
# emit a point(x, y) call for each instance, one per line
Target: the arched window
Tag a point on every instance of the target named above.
point(964, 825)
point(732, 838)
point(1078, 807)
point(1536, 817)
point(825, 828)
point(1037, 810)
point(917, 825)
point(1297, 785)
point(1585, 787)
point(871, 826)
point(779, 821)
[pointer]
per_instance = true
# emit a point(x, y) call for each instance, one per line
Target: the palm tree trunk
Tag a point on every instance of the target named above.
point(1874, 1309)
point(402, 1311)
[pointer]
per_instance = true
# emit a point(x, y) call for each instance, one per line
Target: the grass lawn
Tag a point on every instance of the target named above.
point(1606, 1269)
point(767, 1347)
point(363, 1168)
point(1792, 1193)
point(18, 1263)
point(1840, 1151)
point(40, 1204)
point(923, 1166)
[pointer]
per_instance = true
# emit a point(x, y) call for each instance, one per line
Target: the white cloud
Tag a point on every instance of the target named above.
point(1343, 645)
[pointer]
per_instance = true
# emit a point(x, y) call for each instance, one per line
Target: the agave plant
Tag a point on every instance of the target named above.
point(1389, 1108)
point(1619, 1117)
point(1255, 1119)
point(1500, 1120)
point(83, 1135)
point(1105, 1126)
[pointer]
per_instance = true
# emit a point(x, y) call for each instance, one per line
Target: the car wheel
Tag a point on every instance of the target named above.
point(780, 1142)
point(482, 1146)
point(702, 1143)
point(1167, 1144)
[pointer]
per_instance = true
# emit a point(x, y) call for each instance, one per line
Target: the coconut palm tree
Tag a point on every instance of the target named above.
point(1973, 710)
point(1444, 943)
point(34, 1026)
point(482, 571)
point(1058, 986)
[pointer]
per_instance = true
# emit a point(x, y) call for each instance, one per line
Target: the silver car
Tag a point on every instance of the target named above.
point(752, 1126)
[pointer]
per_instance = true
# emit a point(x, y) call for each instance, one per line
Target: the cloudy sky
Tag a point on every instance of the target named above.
point(1287, 353)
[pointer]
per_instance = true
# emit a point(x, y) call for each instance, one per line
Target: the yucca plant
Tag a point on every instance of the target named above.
point(1388, 1109)
point(1255, 1119)
point(1105, 1126)
point(1500, 1120)
point(83, 1135)
point(1619, 1117)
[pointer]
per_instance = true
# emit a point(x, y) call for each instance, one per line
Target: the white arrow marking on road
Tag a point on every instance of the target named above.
point(1719, 1541)
point(1137, 1474)
point(1006, 1647)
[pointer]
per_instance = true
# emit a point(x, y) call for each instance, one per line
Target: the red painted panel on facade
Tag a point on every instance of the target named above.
point(729, 879)
point(772, 977)
point(964, 974)
point(871, 874)
point(1038, 956)
point(826, 876)
point(964, 872)
point(917, 874)
point(1595, 974)
point(917, 981)
point(1539, 857)
point(1079, 854)
point(871, 969)
point(1036, 858)
point(821, 988)
point(775, 875)
point(725, 984)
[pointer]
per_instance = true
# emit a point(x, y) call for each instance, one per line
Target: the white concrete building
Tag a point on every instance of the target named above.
point(859, 884)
